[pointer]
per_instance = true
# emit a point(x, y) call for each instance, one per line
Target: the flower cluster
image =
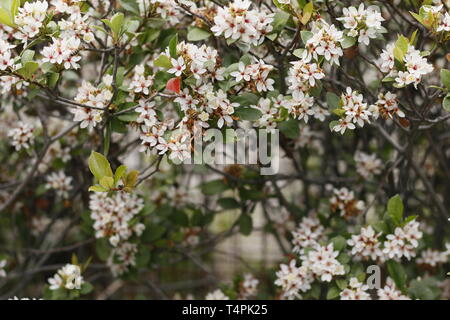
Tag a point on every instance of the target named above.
point(318, 263)
point(248, 286)
point(386, 106)
point(71, 7)
point(191, 236)
point(271, 111)
point(301, 106)
point(63, 52)
point(367, 165)
point(322, 262)
point(366, 244)
point(325, 41)
point(59, 182)
point(68, 277)
point(403, 242)
point(22, 135)
point(308, 234)
point(303, 74)
point(255, 75)
point(6, 59)
point(356, 291)
point(362, 23)
point(416, 66)
point(203, 63)
point(432, 258)
point(344, 202)
point(390, 292)
point(122, 258)
point(115, 217)
point(93, 100)
point(354, 110)
point(140, 83)
point(293, 279)
point(29, 20)
point(435, 19)
point(76, 26)
point(238, 22)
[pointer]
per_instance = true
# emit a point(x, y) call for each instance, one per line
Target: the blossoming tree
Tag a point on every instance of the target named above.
point(103, 102)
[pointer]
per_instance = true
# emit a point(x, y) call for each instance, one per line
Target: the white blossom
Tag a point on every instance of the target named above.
point(22, 135)
point(59, 182)
point(355, 291)
point(238, 22)
point(68, 277)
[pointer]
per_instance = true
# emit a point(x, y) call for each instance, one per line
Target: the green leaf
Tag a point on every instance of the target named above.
point(246, 99)
point(298, 52)
point(306, 35)
point(395, 209)
point(445, 78)
point(250, 114)
point(417, 17)
point(163, 61)
point(333, 293)
point(397, 273)
point(180, 218)
point(97, 188)
point(153, 233)
point(103, 249)
point(348, 42)
point(245, 224)
point(332, 124)
point(142, 257)
point(307, 13)
point(116, 24)
point(424, 289)
point(5, 18)
point(27, 56)
point(279, 21)
point(52, 79)
point(339, 112)
point(213, 187)
point(381, 226)
point(130, 5)
point(130, 179)
point(120, 171)
point(339, 243)
point(388, 79)
point(446, 103)
point(15, 4)
point(341, 283)
point(99, 165)
point(401, 47)
point(413, 38)
point(28, 69)
point(197, 34)
point(228, 203)
point(289, 128)
point(332, 100)
point(128, 117)
point(86, 288)
point(107, 182)
point(173, 46)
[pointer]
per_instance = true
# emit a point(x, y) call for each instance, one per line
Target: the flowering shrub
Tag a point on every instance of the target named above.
point(103, 105)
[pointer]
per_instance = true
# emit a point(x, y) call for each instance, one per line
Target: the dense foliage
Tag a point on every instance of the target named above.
point(102, 102)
